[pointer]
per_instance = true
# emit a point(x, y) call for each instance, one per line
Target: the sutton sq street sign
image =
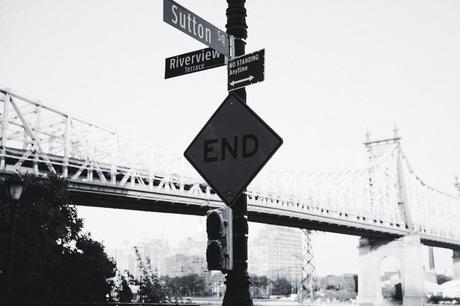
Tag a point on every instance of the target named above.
point(195, 26)
point(192, 62)
point(232, 148)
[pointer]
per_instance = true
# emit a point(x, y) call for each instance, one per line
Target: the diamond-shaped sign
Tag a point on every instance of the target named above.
point(232, 148)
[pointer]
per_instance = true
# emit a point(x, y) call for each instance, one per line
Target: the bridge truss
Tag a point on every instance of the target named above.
point(384, 198)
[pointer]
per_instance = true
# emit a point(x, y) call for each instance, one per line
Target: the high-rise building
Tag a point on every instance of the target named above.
point(193, 246)
point(276, 252)
point(188, 258)
point(124, 257)
point(182, 264)
point(156, 250)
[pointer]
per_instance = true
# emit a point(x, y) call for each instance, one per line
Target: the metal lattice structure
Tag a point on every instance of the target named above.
point(383, 198)
point(309, 280)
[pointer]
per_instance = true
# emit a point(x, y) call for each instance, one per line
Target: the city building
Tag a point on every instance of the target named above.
point(193, 245)
point(276, 252)
point(188, 258)
point(155, 249)
point(178, 265)
point(125, 258)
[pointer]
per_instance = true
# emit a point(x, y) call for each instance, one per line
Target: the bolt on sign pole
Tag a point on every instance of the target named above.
point(237, 280)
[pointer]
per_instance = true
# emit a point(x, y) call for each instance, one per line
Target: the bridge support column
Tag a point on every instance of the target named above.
point(456, 264)
point(408, 250)
point(413, 277)
point(369, 291)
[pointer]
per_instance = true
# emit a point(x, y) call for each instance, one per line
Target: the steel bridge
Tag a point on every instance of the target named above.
point(384, 199)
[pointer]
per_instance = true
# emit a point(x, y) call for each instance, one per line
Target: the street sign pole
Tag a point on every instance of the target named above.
point(237, 280)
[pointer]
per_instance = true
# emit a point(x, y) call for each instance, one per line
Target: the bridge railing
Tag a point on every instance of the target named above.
point(40, 131)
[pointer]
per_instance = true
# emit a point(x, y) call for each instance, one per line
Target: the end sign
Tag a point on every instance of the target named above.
point(232, 148)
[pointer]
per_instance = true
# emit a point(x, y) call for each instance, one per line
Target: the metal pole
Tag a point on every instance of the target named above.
point(11, 253)
point(65, 169)
point(237, 280)
point(6, 103)
point(403, 202)
point(114, 160)
point(37, 131)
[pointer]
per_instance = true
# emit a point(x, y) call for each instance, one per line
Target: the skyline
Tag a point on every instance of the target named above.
point(333, 71)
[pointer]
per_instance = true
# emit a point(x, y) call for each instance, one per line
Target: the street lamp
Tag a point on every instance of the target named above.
point(15, 186)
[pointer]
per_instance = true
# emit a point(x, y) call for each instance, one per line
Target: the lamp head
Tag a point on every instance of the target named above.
point(15, 186)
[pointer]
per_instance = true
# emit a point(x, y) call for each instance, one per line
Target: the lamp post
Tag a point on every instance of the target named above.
point(237, 280)
point(15, 186)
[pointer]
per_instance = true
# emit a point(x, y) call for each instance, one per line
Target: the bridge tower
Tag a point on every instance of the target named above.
point(456, 253)
point(375, 150)
point(407, 249)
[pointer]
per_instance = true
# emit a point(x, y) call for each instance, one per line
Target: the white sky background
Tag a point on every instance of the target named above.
point(333, 70)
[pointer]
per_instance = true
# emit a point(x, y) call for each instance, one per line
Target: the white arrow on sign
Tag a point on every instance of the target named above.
point(233, 83)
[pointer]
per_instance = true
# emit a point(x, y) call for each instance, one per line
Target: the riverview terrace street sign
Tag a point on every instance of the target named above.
point(192, 62)
point(195, 26)
point(232, 148)
point(246, 69)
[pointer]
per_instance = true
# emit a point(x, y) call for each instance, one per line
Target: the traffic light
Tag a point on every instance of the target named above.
point(219, 253)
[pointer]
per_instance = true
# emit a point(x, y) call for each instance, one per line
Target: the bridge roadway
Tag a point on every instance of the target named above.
point(99, 185)
point(261, 209)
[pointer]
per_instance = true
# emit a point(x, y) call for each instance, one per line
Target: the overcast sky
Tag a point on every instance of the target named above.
point(333, 70)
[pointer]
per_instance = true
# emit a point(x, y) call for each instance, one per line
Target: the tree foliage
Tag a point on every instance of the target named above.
point(53, 259)
point(339, 287)
point(123, 292)
point(281, 286)
point(259, 286)
point(187, 285)
point(150, 290)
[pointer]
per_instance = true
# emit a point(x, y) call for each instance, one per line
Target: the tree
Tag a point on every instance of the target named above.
point(340, 287)
point(88, 270)
point(53, 259)
point(259, 285)
point(281, 286)
point(124, 293)
point(187, 285)
point(150, 290)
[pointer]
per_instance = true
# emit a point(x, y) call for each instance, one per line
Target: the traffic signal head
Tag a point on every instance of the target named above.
point(219, 253)
point(215, 226)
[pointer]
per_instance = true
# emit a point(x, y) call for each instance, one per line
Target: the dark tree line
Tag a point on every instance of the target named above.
point(54, 260)
point(154, 289)
point(187, 285)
